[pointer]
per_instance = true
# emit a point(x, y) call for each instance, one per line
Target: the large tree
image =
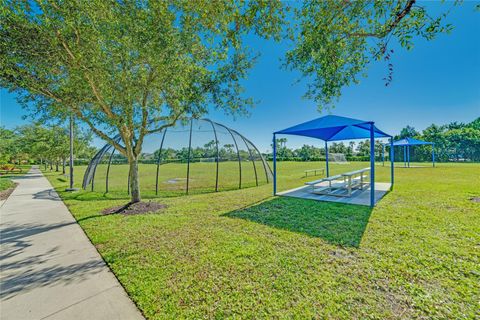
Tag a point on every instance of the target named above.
point(407, 132)
point(336, 40)
point(130, 68)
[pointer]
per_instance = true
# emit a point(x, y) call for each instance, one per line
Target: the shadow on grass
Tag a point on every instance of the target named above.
point(336, 223)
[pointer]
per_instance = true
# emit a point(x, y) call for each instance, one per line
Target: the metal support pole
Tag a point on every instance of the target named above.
point(71, 152)
point(433, 155)
point(159, 160)
point(108, 170)
point(218, 156)
point(265, 165)
point(93, 176)
point(239, 161)
point(383, 154)
point(405, 156)
point(326, 159)
point(238, 154)
point(71, 188)
point(372, 166)
point(251, 159)
point(392, 164)
point(189, 152)
point(408, 156)
point(274, 165)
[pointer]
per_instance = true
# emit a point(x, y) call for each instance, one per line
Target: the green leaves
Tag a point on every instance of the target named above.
point(335, 41)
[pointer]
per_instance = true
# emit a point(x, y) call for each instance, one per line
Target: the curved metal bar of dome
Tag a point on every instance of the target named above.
point(238, 153)
point(218, 157)
point(92, 182)
point(92, 167)
point(189, 152)
point(159, 160)
point(89, 175)
point(265, 165)
point(251, 159)
point(108, 170)
point(99, 159)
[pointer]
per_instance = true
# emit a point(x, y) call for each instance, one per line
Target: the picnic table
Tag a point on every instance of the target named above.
point(341, 182)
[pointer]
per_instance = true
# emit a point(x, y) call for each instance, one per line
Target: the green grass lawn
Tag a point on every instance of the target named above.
point(5, 183)
point(172, 177)
point(6, 179)
point(246, 254)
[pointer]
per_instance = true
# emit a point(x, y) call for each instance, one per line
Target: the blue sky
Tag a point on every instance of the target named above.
point(436, 82)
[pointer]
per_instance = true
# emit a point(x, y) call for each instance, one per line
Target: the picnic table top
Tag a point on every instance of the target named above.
point(315, 169)
point(331, 178)
point(351, 173)
point(335, 177)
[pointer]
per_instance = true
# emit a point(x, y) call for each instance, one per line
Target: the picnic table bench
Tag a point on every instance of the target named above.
point(344, 182)
point(314, 171)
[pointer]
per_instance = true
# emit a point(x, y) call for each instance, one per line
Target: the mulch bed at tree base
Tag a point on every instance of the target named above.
point(6, 193)
point(135, 208)
point(475, 199)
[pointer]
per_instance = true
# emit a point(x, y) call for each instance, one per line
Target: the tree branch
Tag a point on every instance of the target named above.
point(399, 16)
point(143, 128)
point(106, 109)
point(172, 123)
point(101, 134)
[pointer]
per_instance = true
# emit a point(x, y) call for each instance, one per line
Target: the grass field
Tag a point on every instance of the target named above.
point(172, 177)
point(246, 254)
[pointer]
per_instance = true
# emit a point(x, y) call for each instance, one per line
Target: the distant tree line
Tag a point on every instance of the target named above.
point(453, 142)
point(46, 145)
point(49, 146)
point(359, 151)
point(205, 153)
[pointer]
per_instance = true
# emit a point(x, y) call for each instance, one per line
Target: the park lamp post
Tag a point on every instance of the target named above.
point(71, 188)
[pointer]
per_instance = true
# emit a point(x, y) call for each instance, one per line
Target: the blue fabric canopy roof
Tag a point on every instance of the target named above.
point(410, 142)
point(334, 128)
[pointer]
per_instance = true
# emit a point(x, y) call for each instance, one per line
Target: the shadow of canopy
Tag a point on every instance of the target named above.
point(336, 223)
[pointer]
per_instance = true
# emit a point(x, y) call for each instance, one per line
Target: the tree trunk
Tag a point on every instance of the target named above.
point(51, 165)
point(63, 165)
point(134, 181)
point(56, 166)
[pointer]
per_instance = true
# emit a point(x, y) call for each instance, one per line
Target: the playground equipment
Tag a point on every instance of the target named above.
point(196, 155)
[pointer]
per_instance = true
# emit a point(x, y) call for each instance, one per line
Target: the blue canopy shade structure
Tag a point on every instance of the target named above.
point(336, 128)
point(406, 144)
point(409, 142)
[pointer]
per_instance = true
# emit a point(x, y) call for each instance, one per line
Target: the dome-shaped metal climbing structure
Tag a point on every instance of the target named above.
point(194, 156)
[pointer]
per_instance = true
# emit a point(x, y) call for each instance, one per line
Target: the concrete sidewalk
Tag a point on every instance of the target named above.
point(49, 268)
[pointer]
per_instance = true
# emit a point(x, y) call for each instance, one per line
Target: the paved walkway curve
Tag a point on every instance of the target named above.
point(49, 268)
